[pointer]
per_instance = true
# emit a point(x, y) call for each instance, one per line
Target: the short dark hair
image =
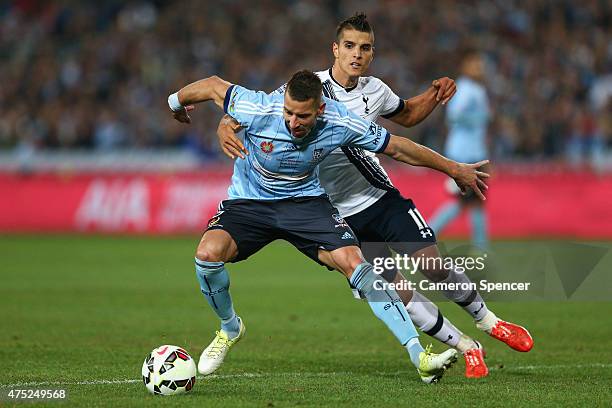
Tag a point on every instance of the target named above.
point(358, 22)
point(468, 52)
point(305, 85)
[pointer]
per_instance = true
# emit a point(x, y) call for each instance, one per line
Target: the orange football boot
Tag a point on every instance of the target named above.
point(515, 336)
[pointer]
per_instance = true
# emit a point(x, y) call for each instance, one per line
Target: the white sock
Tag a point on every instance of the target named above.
point(427, 317)
point(466, 343)
point(487, 323)
point(469, 299)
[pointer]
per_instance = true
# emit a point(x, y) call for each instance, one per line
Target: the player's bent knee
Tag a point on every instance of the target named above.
point(205, 255)
point(216, 247)
point(347, 259)
point(429, 251)
point(436, 271)
point(212, 253)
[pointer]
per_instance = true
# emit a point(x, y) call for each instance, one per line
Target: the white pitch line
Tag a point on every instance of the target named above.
point(290, 374)
point(552, 367)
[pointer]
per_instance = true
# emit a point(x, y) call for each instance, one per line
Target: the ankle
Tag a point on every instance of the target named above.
point(488, 322)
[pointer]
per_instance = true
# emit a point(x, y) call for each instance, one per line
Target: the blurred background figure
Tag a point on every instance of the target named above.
point(84, 90)
point(65, 64)
point(468, 115)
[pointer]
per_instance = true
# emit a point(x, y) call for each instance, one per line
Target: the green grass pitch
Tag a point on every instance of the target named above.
point(81, 313)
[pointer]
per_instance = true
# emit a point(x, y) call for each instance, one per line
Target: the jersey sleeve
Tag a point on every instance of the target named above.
point(244, 104)
point(363, 133)
point(392, 104)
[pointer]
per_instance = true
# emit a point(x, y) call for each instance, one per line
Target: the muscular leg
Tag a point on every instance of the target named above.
point(384, 303)
point(469, 299)
point(478, 219)
point(445, 214)
point(428, 317)
point(422, 311)
point(345, 260)
point(215, 248)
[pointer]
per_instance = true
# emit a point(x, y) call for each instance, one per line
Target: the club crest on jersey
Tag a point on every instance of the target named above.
point(317, 154)
point(365, 100)
point(266, 147)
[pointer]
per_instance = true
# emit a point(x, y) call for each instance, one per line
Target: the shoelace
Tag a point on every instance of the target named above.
point(217, 347)
point(470, 358)
point(502, 331)
point(428, 353)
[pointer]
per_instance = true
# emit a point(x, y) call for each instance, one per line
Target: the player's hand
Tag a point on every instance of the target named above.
point(446, 89)
point(469, 177)
point(230, 144)
point(183, 115)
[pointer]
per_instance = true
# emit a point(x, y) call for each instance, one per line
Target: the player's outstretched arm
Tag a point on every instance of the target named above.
point(465, 175)
point(417, 108)
point(212, 88)
point(230, 144)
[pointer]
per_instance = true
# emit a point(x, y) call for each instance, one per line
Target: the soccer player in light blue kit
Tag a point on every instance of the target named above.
point(276, 194)
point(468, 116)
point(376, 211)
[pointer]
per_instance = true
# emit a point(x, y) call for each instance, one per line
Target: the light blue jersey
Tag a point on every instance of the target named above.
point(467, 116)
point(279, 165)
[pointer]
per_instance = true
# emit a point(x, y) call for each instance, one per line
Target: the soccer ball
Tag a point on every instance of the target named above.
point(168, 370)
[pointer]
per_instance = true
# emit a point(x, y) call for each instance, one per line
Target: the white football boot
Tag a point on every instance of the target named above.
point(212, 357)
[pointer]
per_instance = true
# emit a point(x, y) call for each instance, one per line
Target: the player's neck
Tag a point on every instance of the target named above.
point(473, 78)
point(342, 78)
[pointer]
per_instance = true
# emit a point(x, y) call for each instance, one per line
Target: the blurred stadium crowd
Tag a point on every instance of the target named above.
point(79, 75)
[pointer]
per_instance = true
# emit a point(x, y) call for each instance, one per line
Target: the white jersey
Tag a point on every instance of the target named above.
point(352, 177)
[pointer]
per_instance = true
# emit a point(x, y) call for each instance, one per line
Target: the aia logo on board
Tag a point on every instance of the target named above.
point(266, 147)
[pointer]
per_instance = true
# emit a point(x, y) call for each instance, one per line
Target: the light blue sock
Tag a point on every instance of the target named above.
point(479, 227)
point(415, 349)
point(214, 283)
point(443, 216)
point(388, 307)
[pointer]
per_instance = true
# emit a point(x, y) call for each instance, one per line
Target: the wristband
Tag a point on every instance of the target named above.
point(173, 102)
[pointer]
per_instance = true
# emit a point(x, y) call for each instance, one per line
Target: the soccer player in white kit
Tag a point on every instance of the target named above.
point(360, 189)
